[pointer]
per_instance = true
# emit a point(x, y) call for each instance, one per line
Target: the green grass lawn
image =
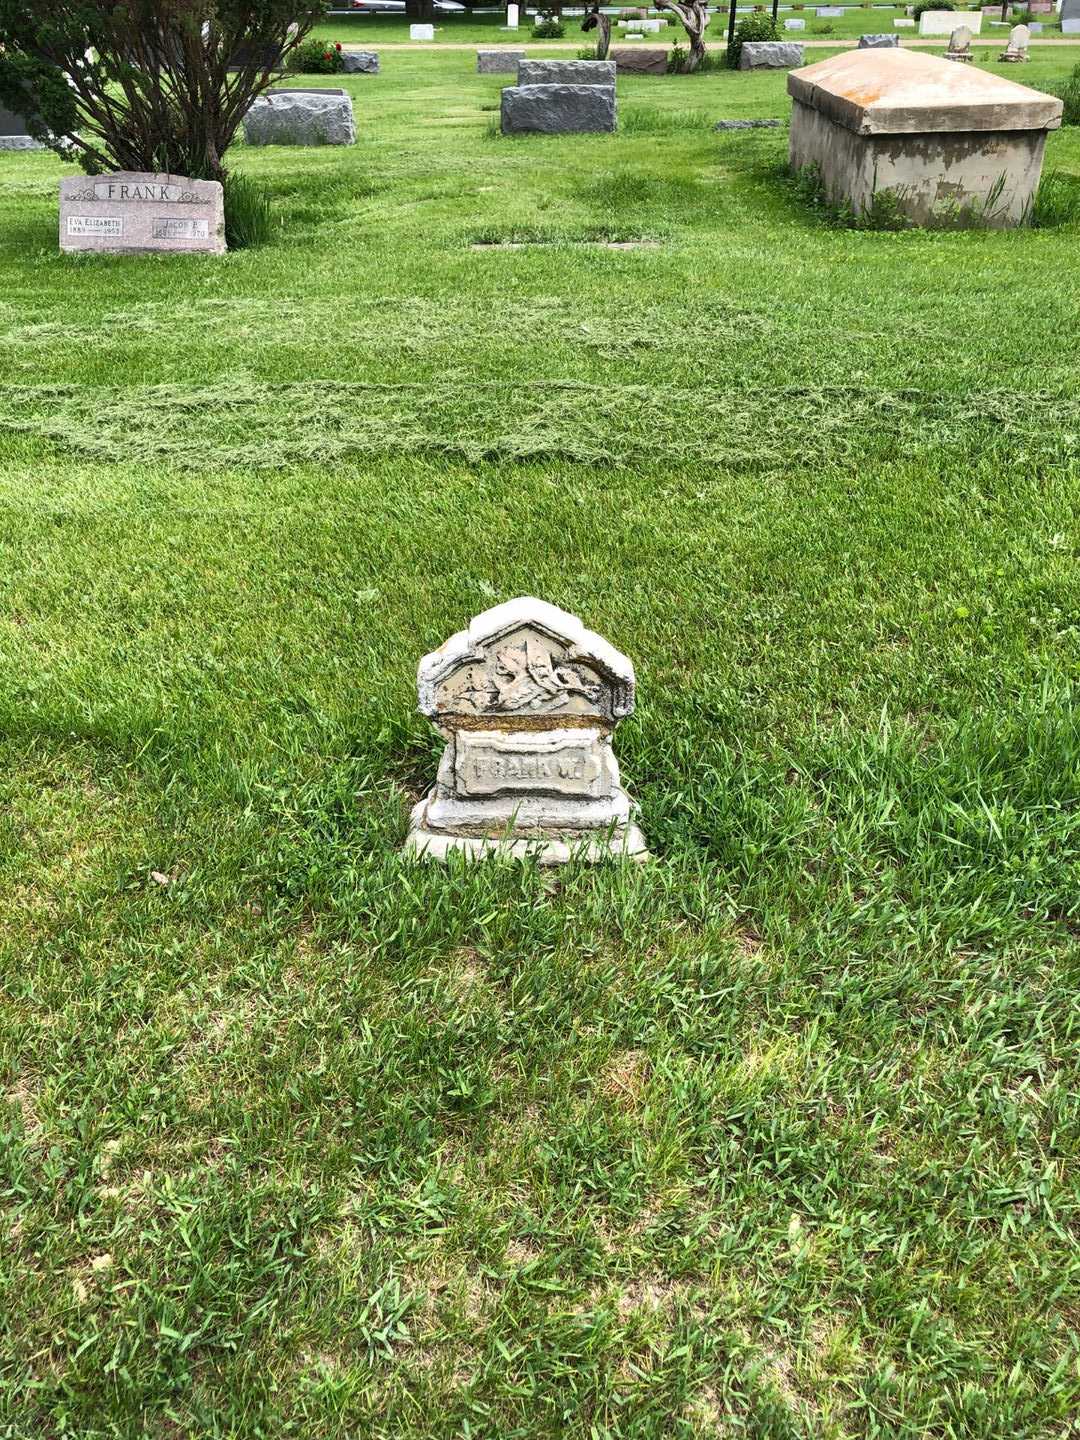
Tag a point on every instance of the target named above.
point(776, 1137)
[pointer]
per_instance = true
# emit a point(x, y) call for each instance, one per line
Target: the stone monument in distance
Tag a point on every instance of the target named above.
point(527, 700)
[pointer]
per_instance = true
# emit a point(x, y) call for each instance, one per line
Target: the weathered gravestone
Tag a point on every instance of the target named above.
point(931, 134)
point(527, 700)
point(301, 117)
point(770, 54)
point(360, 62)
point(904, 24)
point(878, 42)
point(558, 109)
point(794, 24)
point(421, 32)
point(141, 213)
point(503, 61)
point(1016, 52)
point(646, 61)
point(960, 45)
point(566, 72)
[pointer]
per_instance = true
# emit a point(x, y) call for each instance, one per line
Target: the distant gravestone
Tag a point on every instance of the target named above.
point(1070, 11)
point(503, 61)
point(421, 32)
point(1016, 52)
point(829, 12)
point(904, 24)
point(943, 22)
point(141, 213)
point(878, 42)
point(511, 17)
point(794, 24)
point(301, 117)
point(1070, 27)
point(566, 72)
point(1035, 27)
point(646, 61)
point(13, 134)
point(527, 700)
point(960, 45)
point(770, 55)
point(359, 62)
point(558, 109)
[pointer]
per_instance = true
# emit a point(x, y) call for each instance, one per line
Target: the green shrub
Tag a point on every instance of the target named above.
point(548, 26)
point(1070, 93)
point(247, 212)
point(751, 27)
point(922, 5)
point(1057, 200)
point(314, 57)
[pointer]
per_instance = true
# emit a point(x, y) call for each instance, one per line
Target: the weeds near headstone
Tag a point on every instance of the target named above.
point(248, 219)
point(1057, 201)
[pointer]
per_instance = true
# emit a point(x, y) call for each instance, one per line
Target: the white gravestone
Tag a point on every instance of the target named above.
point(943, 22)
point(527, 700)
point(142, 213)
point(421, 32)
point(512, 17)
point(904, 24)
point(1016, 52)
point(794, 24)
point(960, 45)
point(1070, 27)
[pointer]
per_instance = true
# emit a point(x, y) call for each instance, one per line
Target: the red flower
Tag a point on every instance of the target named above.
point(338, 45)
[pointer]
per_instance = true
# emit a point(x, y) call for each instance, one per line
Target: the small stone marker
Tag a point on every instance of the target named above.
point(1016, 52)
point(301, 117)
point(829, 12)
point(943, 22)
point(747, 124)
point(794, 24)
point(960, 45)
point(1035, 27)
point(878, 42)
point(141, 213)
point(770, 55)
point(421, 32)
point(904, 24)
point(646, 61)
point(558, 109)
point(359, 62)
point(527, 700)
point(566, 72)
point(503, 61)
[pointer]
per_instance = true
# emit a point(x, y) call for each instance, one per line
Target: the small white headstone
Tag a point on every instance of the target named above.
point(794, 24)
point(904, 24)
point(943, 22)
point(511, 17)
point(421, 32)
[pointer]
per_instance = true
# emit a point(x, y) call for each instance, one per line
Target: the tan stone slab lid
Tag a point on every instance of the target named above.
point(903, 92)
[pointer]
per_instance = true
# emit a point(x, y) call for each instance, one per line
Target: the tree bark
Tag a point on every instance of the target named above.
point(694, 16)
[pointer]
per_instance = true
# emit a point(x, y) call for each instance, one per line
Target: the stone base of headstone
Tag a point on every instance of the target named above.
point(20, 142)
point(566, 72)
point(558, 109)
point(360, 62)
point(962, 57)
point(878, 42)
point(770, 55)
point(645, 61)
point(747, 124)
point(139, 213)
point(301, 117)
point(626, 844)
point(503, 61)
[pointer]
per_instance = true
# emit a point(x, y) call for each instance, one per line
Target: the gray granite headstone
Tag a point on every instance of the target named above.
point(1070, 10)
point(878, 42)
point(527, 700)
point(137, 212)
point(301, 117)
point(503, 61)
point(13, 134)
point(566, 72)
point(360, 62)
point(770, 55)
point(558, 109)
